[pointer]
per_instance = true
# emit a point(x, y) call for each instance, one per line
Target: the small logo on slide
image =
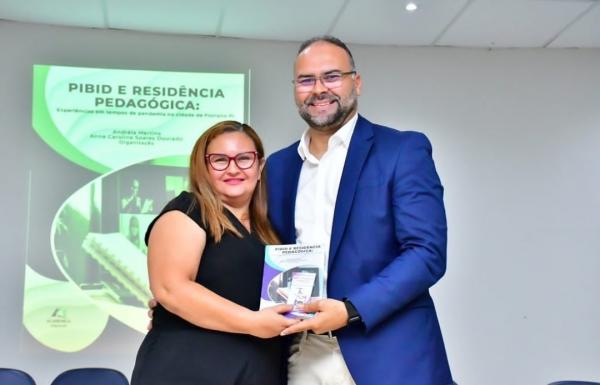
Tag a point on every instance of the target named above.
point(58, 318)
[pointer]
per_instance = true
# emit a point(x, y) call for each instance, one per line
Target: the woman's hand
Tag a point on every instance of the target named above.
point(270, 322)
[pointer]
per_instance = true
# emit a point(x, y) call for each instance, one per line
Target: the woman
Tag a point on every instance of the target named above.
point(205, 261)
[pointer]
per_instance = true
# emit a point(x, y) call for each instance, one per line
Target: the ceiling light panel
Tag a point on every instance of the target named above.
point(511, 23)
point(584, 33)
point(80, 13)
point(387, 21)
point(175, 16)
point(280, 20)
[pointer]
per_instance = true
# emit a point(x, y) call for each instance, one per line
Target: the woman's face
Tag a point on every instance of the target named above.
point(233, 185)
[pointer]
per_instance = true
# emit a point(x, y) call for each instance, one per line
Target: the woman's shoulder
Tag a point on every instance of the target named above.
point(186, 203)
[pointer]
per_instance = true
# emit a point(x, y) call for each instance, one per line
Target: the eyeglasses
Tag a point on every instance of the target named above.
point(330, 80)
point(243, 160)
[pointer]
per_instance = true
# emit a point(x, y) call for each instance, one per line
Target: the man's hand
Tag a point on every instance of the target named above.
point(331, 314)
point(151, 305)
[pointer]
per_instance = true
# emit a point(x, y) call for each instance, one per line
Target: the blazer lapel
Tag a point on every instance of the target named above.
point(360, 145)
point(290, 188)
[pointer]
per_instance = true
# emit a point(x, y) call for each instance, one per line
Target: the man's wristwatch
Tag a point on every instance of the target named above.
point(353, 316)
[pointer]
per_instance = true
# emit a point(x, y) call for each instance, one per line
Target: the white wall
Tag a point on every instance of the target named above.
point(516, 136)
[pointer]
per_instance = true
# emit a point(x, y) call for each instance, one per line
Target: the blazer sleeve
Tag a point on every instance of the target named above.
point(421, 233)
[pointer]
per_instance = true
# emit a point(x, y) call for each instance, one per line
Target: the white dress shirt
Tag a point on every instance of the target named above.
point(318, 187)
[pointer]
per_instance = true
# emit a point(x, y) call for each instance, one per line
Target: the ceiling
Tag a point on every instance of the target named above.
point(459, 23)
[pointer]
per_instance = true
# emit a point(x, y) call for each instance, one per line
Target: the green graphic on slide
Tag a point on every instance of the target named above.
point(97, 237)
point(59, 315)
point(45, 127)
point(135, 129)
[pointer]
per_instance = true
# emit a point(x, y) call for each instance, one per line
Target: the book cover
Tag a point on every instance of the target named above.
point(292, 274)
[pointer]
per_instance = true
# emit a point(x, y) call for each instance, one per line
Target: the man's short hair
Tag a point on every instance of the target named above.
point(328, 39)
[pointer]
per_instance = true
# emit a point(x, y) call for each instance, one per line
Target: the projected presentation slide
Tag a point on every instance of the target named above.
point(128, 135)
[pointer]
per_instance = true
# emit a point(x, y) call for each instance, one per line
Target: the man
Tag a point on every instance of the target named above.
point(372, 196)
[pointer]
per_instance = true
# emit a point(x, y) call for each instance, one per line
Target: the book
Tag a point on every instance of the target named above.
point(124, 262)
point(292, 274)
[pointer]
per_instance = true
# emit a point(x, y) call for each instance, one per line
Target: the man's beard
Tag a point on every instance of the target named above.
point(333, 121)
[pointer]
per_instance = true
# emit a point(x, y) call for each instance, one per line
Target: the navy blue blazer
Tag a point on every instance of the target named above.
point(388, 247)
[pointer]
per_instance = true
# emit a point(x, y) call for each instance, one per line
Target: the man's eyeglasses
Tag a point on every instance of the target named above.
point(243, 160)
point(330, 80)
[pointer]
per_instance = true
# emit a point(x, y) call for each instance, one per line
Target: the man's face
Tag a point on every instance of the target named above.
point(323, 108)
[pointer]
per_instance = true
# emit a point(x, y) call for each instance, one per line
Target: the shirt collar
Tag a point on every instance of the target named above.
point(341, 137)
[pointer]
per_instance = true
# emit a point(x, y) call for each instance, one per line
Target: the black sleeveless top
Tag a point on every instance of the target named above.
point(176, 352)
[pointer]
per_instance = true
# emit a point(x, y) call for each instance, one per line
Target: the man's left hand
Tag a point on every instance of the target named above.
point(331, 314)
